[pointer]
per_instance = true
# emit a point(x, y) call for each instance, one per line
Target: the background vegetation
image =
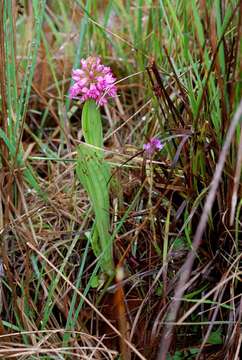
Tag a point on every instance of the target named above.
point(175, 220)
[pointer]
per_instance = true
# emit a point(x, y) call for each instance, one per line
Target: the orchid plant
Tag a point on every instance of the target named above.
point(94, 84)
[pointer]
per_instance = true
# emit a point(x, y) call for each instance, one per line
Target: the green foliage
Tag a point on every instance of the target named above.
point(92, 125)
point(215, 338)
point(93, 172)
point(18, 103)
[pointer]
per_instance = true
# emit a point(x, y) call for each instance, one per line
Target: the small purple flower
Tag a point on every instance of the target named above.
point(93, 81)
point(152, 146)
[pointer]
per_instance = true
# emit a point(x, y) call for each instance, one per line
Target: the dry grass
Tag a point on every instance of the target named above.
point(175, 220)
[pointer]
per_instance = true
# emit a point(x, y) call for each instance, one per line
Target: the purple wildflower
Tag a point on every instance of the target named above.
point(93, 81)
point(153, 145)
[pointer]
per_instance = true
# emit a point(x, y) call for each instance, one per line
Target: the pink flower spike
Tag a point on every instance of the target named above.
point(76, 74)
point(74, 91)
point(93, 81)
point(152, 146)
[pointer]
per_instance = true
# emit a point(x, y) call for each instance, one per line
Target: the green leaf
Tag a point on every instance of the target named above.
point(95, 282)
point(176, 356)
point(194, 351)
point(93, 173)
point(92, 124)
point(215, 338)
point(30, 177)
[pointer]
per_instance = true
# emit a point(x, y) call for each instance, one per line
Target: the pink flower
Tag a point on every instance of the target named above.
point(93, 81)
point(152, 146)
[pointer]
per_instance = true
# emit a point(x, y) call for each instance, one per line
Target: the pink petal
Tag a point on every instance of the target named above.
point(82, 82)
point(84, 90)
point(74, 90)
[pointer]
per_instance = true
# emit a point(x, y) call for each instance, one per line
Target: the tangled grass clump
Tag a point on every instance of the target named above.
point(133, 253)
